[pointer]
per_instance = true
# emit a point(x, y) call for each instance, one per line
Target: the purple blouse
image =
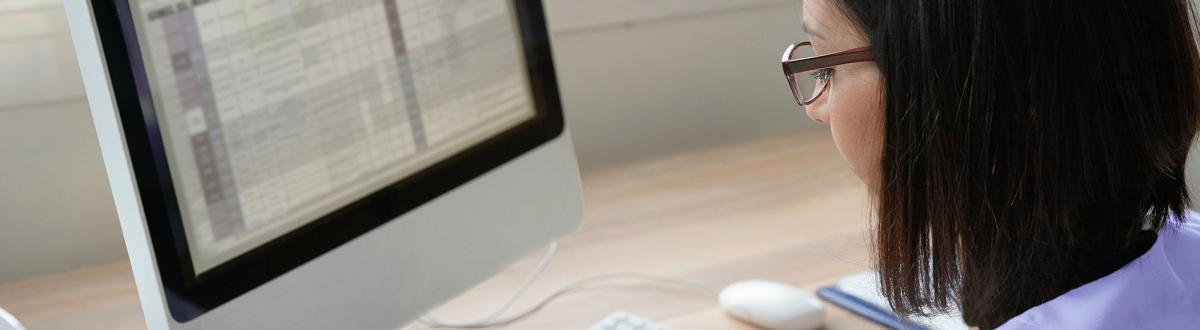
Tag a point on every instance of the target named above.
point(1158, 290)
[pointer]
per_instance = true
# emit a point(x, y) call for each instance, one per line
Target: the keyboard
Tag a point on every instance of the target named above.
point(622, 320)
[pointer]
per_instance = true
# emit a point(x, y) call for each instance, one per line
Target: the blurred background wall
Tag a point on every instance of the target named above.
point(639, 78)
point(646, 77)
point(56, 212)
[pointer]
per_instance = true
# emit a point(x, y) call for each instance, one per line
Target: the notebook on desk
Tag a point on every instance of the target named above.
point(860, 294)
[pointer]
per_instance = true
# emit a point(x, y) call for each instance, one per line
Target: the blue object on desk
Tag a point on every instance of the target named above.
point(870, 311)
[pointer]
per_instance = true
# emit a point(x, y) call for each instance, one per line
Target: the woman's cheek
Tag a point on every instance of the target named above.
point(856, 120)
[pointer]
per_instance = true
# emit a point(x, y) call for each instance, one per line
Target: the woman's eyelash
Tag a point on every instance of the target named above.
point(820, 74)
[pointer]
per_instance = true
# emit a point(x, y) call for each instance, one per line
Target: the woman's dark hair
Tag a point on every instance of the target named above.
point(1028, 146)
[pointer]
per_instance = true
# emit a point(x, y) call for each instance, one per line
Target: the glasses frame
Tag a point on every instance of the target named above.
point(791, 67)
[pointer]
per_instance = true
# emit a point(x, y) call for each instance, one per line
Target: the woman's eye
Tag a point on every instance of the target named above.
point(821, 74)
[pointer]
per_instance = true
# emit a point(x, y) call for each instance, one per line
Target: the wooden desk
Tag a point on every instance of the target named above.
point(785, 209)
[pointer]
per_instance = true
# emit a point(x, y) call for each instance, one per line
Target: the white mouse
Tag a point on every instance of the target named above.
point(773, 305)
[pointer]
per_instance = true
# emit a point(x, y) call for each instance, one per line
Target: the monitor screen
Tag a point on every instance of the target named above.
point(275, 113)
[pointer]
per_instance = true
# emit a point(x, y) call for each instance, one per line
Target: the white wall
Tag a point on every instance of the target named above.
point(639, 78)
point(56, 212)
point(644, 77)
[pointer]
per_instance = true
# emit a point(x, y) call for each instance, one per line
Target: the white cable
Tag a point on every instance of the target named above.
point(486, 321)
point(576, 286)
point(494, 319)
point(10, 320)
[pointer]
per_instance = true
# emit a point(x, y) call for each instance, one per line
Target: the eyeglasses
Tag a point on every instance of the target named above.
point(802, 66)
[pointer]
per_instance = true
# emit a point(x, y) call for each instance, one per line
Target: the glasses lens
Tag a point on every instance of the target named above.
point(808, 84)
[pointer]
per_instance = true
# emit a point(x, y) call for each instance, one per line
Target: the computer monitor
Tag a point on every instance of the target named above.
point(331, 164)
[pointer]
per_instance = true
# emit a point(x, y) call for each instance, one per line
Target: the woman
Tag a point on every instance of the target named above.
point(1026, 156)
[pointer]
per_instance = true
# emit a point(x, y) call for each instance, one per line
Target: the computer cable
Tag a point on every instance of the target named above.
point(490, 319)
point(495, 319)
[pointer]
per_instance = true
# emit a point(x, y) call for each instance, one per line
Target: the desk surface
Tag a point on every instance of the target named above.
point(786, 209)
